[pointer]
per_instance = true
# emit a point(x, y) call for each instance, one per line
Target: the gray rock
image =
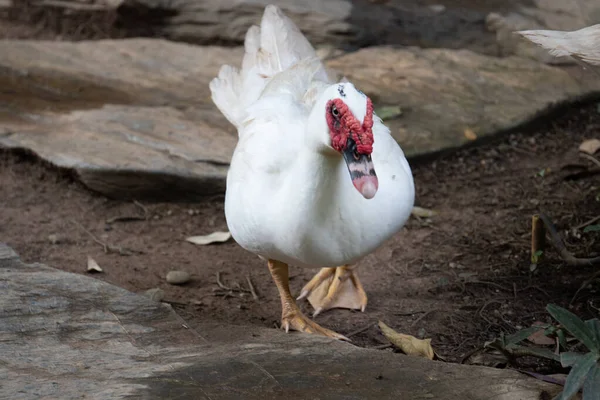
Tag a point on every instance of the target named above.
point(178, 277)
point(207, 22)
point(64, 335)
point(134, 118)
point(443, 93)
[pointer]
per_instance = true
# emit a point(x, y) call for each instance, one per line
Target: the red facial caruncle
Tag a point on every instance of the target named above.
point(346, 125)
point(355, 142)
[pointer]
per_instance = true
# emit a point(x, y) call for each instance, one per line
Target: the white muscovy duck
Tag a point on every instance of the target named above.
point(316, 179)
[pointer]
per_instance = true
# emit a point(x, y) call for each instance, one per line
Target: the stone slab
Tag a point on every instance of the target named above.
point(134, 119)
point(68, 336)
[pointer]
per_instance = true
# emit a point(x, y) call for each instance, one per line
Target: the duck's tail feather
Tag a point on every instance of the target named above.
point(275, 46)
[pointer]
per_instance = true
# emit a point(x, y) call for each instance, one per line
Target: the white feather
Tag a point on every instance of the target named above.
point(583, 44)
point(274, 47)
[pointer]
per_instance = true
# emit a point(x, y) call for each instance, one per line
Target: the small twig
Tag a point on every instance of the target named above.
point(107, 247)
point(586, 223)
point(382, 346)
point(408, 314)
point(252, 290)
point(361, 330)
point(565, 254)
point(490, 284)
point(483, 307)
point(221, 283)
point(125, 218)
point(416, 321)
point(591, 158)
point(143, 207)
point(584, 285)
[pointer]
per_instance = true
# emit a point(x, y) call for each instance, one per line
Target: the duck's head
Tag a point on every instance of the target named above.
point(344, 119)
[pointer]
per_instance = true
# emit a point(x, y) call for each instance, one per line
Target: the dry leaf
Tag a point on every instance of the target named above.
point(590, 146)
point(539, 338)
point(92, 265)
point(470, 134)
point(410, 345)
point(215, 237)
point(423, 212)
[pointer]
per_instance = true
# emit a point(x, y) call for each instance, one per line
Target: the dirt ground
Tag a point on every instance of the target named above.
point(461, 277)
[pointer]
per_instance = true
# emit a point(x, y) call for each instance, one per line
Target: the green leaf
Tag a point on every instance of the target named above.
point(388, 112)
point(535, 257)
point(541, 352)
point(521, 335)
point(574, 325)
point(594, 326)
point(591, 387)
point(578, 375)
point(562, 339)
point(591, 228)
point(569, 358)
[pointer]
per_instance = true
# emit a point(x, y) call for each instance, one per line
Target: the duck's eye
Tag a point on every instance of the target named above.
point(335, 112)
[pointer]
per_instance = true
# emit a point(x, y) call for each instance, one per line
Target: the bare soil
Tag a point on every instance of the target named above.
point(461, 277)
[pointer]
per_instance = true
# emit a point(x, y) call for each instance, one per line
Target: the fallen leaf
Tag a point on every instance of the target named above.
point(590, 146)
point(470, 134)
point(409, 344)
point(215, 237)
point(538, 337)
point(92, 265)
point(388, 112)
point(423, 212)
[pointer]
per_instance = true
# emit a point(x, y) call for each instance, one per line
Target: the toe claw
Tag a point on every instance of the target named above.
point(302, 295)
point(317, 311)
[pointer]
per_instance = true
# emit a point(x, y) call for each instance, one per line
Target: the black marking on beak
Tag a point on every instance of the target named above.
point(359, 165)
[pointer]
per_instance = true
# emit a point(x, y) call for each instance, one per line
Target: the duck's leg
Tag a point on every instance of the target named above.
point(291, 316)
point(335, 288)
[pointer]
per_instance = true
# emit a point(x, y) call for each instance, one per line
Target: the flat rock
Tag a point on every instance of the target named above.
point(226, 21)
point(64, 335)
point(133, 118)
point(449, 97)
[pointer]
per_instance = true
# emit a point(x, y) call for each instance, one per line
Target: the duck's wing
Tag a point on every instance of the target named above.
point(271, 49)
point(583, 44)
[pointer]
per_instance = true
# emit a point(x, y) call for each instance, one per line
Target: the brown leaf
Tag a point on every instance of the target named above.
point(539, 338)
point(470, 134)
point(410, 345)
point(92, 265)
point(423, 212)
point(590, 146)
point(208, 239)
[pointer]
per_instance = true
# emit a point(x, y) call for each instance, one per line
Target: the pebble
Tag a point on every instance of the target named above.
point(53, 238)
point(156, 294)
point(178, 277)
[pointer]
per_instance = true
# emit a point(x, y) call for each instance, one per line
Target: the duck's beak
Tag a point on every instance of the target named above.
point(361, 171)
